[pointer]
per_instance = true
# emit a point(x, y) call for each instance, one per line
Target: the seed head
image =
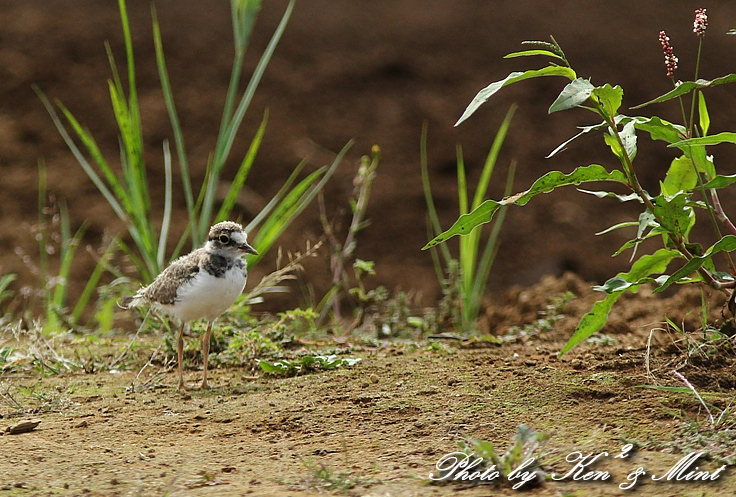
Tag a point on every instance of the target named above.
point(700, 22)
point(670, 61)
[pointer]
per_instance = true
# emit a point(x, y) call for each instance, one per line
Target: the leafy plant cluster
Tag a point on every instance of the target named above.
point(305, 364)
point(129, 192)
point(690, 184)
point(464, 274)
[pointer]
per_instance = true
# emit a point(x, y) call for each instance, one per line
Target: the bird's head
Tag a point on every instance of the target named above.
point(229, 238)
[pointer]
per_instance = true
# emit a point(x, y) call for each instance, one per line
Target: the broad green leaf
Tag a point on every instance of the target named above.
point(594, 320)
point(514, 77)
point(617, 284)
point(727, 244)
point(610, 98)
point(681, 176)
point(628, 137)
point(526, 53)
point(274, 367)
point(575, 93)
point(646, 220)
point(591, 322)
point(659, 129)
point(647, 265)
point(725, 137)
point(673, 213)
point(554, 179)
point(703, 162)
point(689, 86)
point(628, 140)
point(721, 181)
point(703, 115)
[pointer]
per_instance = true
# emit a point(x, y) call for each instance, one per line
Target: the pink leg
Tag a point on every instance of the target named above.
point(180, 356)
point(205, 353)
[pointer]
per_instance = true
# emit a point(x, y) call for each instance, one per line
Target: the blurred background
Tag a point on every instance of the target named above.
point(364, 70)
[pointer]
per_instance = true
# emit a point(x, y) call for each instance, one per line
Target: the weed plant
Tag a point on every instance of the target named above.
point(128, 193)
point(54, 236)
point(690, 184)
point(466, 274)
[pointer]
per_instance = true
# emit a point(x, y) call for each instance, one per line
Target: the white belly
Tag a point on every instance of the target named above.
point(206, 296)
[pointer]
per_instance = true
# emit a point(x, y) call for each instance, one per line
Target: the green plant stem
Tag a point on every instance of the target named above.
point(691, 123)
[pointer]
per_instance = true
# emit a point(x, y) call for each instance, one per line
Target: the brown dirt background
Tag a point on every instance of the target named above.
point(381, 425)
point(369, 71)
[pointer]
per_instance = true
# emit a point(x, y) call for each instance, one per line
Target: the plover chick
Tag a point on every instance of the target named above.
point(200, 285)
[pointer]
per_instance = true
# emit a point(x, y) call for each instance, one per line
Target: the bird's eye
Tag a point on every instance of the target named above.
point(224, 239)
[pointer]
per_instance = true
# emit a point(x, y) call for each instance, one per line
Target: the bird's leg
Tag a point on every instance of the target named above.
point(180, 356)
point(205, 353)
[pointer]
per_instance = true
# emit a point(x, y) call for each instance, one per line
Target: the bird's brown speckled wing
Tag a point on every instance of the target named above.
point(164, 288)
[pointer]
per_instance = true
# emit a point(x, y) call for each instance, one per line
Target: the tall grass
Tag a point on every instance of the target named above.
point(475, 257)
point(54, 236)
point(128, 192)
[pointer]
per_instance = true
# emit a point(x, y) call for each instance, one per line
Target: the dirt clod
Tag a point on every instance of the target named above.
point(23, 426)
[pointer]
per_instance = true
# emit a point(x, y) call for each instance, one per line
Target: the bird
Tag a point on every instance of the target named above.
point(202, 284)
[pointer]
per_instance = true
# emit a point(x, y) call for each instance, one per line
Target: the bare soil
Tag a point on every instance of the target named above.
point(378, 428)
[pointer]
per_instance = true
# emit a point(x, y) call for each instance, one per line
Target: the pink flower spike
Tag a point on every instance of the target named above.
point(700, 23)
point(670, 61)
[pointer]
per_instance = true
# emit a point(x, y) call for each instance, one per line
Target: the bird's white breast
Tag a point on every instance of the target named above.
point(206, 296)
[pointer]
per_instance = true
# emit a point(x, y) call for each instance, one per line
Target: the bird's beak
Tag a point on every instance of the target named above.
point(248, 249)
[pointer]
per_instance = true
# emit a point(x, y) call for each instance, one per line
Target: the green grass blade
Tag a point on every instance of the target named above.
point(138, 262)
point(242, 174)
point(434, 219)
point(175, 126)
point(462, 186)
point(226, 139)
point(92, 281)
point(296, 201)
point(490, 163)
point(91, 145)
point(271, 205)
point(490, 250)
point(285, 211)
point(467, 243)
point(69, 245)
point(166, 220)
point(243, 16)
point(91, 174)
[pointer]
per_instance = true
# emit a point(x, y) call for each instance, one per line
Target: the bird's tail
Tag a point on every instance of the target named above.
point(129, 302)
